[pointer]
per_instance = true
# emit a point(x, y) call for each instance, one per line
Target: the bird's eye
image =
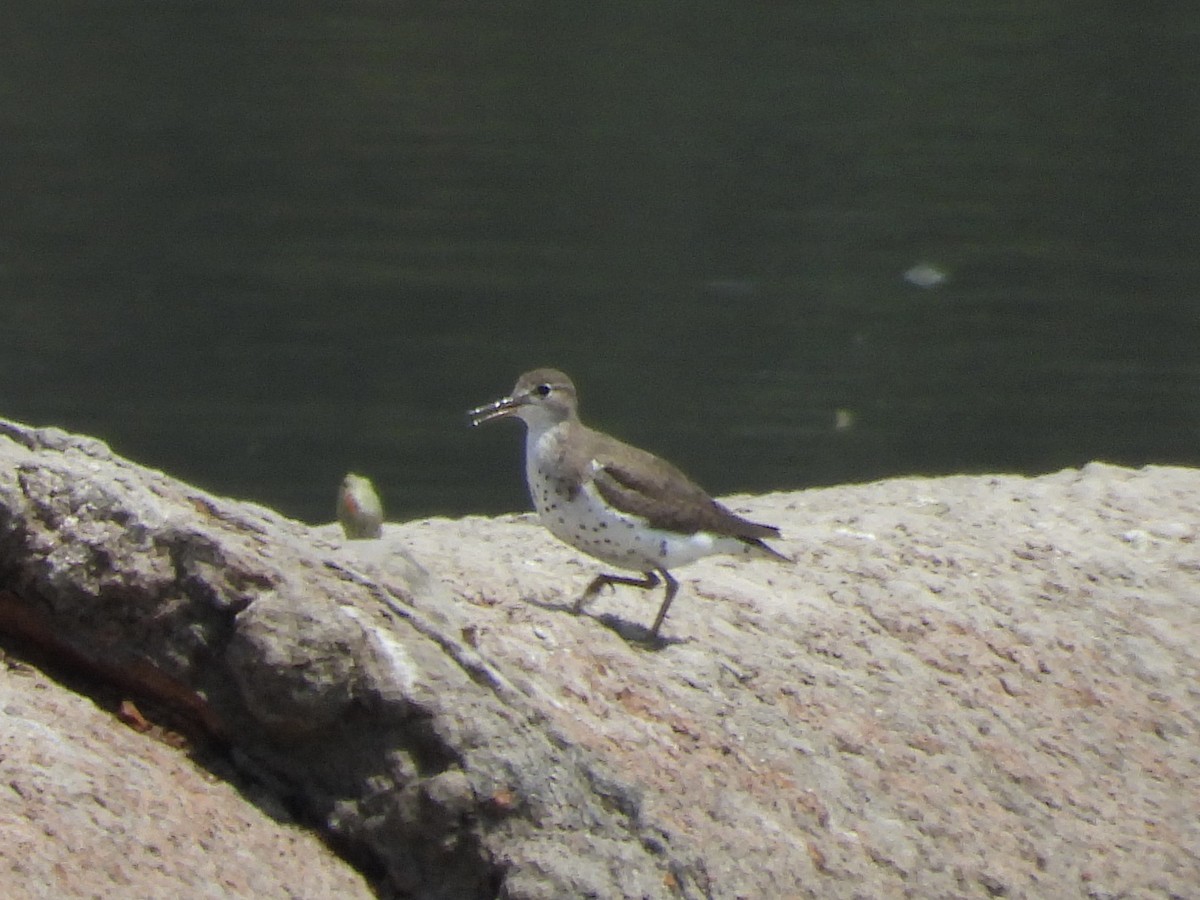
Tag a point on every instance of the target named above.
point(542, 390)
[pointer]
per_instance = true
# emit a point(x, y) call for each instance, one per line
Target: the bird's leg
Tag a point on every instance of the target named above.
point(672, 587)
point(650, 580)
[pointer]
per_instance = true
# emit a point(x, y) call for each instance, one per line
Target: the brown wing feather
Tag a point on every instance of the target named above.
point(668, 499)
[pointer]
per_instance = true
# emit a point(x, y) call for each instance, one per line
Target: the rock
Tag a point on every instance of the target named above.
point(969, 686)
point(90, 808)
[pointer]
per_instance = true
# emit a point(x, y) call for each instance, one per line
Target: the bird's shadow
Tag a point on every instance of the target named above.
point(630, 632)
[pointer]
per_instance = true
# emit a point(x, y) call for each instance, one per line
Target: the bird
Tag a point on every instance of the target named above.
point(359, 509)
point(620, 504)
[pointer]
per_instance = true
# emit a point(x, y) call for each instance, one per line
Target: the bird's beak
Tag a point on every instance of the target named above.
point(505, 406)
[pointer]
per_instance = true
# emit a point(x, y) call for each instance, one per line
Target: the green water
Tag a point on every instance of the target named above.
point(259, 245)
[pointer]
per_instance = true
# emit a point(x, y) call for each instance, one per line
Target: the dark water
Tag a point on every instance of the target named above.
point(259, 245)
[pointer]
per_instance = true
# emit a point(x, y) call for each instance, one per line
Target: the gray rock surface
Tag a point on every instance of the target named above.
point(91, 808)
point(965, 687)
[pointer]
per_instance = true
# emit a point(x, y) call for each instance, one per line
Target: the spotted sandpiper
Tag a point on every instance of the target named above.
point(622, 505)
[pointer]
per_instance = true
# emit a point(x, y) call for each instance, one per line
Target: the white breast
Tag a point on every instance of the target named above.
point(582, 519)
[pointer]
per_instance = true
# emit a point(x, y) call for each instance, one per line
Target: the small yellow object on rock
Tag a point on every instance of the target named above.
point(359, 509)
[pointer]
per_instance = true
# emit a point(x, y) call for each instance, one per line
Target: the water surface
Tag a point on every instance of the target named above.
point(261, 245)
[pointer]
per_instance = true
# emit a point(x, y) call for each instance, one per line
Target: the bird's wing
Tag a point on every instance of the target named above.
point(671, 501)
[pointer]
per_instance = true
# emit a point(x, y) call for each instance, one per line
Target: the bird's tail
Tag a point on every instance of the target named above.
point(759, 547)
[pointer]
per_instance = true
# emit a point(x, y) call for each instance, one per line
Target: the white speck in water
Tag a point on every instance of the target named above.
point(926, 275)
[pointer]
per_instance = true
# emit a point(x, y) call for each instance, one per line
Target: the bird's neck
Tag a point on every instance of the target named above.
point(545, 437)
